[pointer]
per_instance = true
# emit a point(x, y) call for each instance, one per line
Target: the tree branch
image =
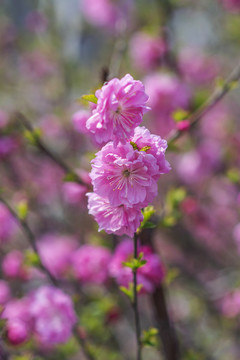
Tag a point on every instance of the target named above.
point(135, 304)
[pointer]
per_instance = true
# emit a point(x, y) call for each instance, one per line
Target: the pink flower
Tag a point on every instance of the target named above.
point(13, 265)
point(197, 67)
point(90, 264)
point(56, 251)
point(124, 175)
point(120, 108)
point(118, 220)
point(5, 292)
point(74, 193)
point(166, 95)
point(158, 146)
point(231, 5)
point(52, 314)
point(149, 275)
point(79, 120)
point(146, 51)
point(18, 326)
point(230, 304)
point(7, 224)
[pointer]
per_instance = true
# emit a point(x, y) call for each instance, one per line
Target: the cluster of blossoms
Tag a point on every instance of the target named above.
point(47, 313)
point(126, 170)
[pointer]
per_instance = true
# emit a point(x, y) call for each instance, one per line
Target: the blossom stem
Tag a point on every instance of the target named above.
point(135, 305)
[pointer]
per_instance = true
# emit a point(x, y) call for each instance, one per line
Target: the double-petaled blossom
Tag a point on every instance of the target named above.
point(52, 315)
point(124, 175)
point(149, 275)
point(118, 220)
point(120, 108)
point(89, 264)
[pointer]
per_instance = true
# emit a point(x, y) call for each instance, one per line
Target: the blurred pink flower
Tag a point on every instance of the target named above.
point(199, 68)
point(166, 95)
point(149, 275)
point(5, 292)
point(230, 304)
point(7, 224)
point(52, 315)
point(118, 220)
point(55, 251)
point(231, 5)
point(36, 21)
point(146, 51)
point(74, 193)
point(90, 264)
point(13, 265)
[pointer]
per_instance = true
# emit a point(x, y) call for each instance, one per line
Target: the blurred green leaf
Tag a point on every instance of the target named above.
point(91, 98)
point(22, 209)
point(180, 115)
point(149, 337)
point(145, 148)
point(134, 145)
point(31, 258)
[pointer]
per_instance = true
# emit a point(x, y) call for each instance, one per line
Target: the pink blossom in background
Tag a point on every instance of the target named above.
point(146, 51)
point(198, 68)
point(120, 108)
point(37, 65)
point(158, 146)
point(7, 224)
point(74, 193)
point(124, 175)
point(236, 236)
point(149, 275)
point(52, 315)
point(55, 251)
point(3, 119)
point(166, 95)
point(230, 304)
point(13, 265)
point(5, 292)
point(7, 146)
point(109, 14)
point(79, 120)
point(118, 220)
point(231, 5)
point(18, 326)
point(36, 22)
point(90, 264)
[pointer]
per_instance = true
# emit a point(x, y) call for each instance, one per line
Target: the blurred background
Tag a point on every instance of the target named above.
point(52, 53)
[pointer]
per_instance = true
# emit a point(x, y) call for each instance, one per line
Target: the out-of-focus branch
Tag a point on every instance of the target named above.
point(31, 238)
point(166, 329)
point(45, 150)
point(135, 305)
point(213, 100)
point(4, 355)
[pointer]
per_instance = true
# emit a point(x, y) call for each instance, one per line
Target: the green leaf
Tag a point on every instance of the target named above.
point(145, 148)
point(22, 209)
point(172, 274)
point(135, 264)
point(31, 258)
point(147, 212)
point(233, 175)
point(33, 136)
point(91, 98)
point(149, 225)
point(149, 337)
point(128, 292)
point(70, 177)
point(134, 145)
point(180, 115)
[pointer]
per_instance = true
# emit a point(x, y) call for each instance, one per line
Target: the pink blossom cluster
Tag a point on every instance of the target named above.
point(149, 275)
point(47, 314)
point(231, 5)
point(126, 170)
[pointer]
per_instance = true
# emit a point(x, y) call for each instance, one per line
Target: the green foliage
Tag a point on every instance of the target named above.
point(233, 175)
point(130, 290)
point(147, 212)
point(135, 264)
point(172, 208)
point(91, 98)
point(22, 209)
point(149, 337)
point(70, 177)
point(31, 258)
point(180, 115)
point(33, 136)
point(171, 275)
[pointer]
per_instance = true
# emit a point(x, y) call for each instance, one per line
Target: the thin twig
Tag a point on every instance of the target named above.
point(135, 305)
point(213, 100)
point(50, 154)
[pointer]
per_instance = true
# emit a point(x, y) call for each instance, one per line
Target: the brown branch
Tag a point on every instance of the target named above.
point(212, 101)
point(135, 305)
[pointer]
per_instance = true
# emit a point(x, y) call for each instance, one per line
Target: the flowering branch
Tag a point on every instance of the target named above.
point(135, 303)
point(213, 100)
